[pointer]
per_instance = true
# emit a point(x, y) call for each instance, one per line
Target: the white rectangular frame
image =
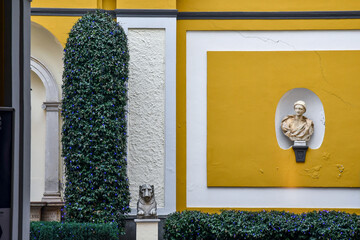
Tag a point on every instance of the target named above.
point(198, 43)
point(169, 24)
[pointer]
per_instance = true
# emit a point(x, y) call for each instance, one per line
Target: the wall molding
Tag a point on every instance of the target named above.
point(269, 15)
point(146, 13)
point(199, 15)
point(76, 12)
point(52, 90)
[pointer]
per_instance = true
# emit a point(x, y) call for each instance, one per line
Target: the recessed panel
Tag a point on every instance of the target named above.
point(243, 92)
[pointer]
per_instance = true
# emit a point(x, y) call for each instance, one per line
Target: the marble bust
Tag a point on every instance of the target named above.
point(298, 127)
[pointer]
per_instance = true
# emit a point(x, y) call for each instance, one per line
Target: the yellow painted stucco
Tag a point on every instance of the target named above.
point(146, 4)
point(60, 27)
point(107, 4)
point(64, 4)
point(266, 5)
point(57, 25)
point(243, 90)
point(204, 25)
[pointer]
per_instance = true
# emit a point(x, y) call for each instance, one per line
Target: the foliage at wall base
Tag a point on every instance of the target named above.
point(273, 225)
point(78, 231)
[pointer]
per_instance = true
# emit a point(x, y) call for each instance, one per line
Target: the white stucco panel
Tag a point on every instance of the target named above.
point(146, 106)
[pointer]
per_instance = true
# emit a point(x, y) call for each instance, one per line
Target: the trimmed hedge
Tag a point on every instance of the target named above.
point(263, 225)
point(94, 121)
point(78, 231)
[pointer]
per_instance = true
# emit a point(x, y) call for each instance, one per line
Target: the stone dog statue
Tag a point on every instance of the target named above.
point(146, 206)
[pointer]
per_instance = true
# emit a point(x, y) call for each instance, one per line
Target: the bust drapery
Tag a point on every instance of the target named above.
point(298, 127)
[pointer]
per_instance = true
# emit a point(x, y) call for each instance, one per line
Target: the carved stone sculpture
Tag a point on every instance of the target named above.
point(146, 205)
point(298, 127)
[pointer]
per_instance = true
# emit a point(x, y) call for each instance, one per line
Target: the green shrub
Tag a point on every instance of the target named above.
point(78, 231)
point(94, 120)
point(273, 225)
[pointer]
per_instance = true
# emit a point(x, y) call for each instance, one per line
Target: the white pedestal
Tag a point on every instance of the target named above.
point(147, 229)
point(299, 143)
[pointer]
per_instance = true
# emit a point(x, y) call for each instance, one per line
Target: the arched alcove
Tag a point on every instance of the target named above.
point(314, 111)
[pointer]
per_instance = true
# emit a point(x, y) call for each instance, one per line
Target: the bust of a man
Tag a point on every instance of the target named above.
point(298, 127)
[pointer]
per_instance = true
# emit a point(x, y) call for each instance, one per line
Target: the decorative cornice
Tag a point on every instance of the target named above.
point(51, 106)
point(270, 15)
point(199, 15)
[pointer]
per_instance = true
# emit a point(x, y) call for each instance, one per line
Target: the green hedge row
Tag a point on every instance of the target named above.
point(78, 231)
point(263, 225)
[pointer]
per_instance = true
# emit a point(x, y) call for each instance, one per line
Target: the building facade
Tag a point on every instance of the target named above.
point(209, 84)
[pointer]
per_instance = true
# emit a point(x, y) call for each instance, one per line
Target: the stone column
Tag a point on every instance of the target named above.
point(52, 191)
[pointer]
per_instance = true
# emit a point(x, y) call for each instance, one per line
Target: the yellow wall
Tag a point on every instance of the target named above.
point(58, 26)
point(267, 5)
point(107, 4)
point(243, 91)
point(204, 25)
point(64, 4)
point(146, 4)
point(206, 5)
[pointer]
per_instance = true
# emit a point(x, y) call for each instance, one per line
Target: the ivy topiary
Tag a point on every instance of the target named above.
point(94, 120)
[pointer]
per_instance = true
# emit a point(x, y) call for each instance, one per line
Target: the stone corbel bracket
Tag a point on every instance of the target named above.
point(300, 149)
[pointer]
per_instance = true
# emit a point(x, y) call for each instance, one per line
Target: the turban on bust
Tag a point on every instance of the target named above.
point(297, 128)
point(302, 103)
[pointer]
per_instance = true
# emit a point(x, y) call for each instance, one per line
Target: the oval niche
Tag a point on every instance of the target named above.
point(314, 111)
